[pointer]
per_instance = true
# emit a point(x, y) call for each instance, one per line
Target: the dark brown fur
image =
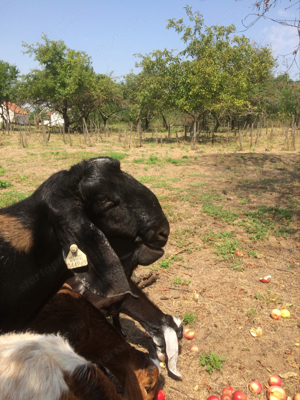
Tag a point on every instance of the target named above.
point(94, 338)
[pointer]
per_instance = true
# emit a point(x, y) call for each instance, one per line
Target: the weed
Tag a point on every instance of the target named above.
point(9, 198)
point(147, 179)
point(226, 248)
point(252, 313)
point(5, 184)
point(259, 296)
point(187, 281)
point(165, 264)
point(177, 280)
point(198, 185)
point(251, 253)
point(188, 318)
point(212, 361)
point(217, 212)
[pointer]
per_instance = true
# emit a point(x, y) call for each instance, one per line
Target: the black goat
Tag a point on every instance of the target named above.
point(164, 329)
point(114, 222)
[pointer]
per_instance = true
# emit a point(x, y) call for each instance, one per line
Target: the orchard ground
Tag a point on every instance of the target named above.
point(218, 200)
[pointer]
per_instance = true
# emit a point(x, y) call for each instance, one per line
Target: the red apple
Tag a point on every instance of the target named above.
point(213, 398)
point(194, 348)
point(266, 279)
point(229, 390)
point(226, 396)
point(255, 387)
point(189, 333)
point(160, 395)
point(275, 380)
point(239, 254)
point(238, 395)
point(276, 314)
point(276, 393)
point(297, 396)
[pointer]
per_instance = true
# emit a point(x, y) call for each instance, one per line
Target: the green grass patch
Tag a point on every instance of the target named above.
point(188, 318)
point(5, 184)
point(265, 220)
point(227, 248)
point(147, 179)
point(218, 213)
point(212, 361)
point(8, 198)
point(177, 280)
point(198, 185)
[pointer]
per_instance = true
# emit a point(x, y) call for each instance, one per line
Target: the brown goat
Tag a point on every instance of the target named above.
point(94, 338)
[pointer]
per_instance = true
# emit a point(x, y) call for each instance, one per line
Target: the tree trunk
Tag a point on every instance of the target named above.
point(165, 124)
point(65, 116)
point(217, 124)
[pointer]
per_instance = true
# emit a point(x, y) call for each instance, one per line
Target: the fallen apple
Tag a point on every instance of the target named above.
point(194, 349)
point(238, 395)
point(213, 398)
point(226, 396)
point(266, 279)
point(285, 313)
point(255, 387)
point(297, 396)
point(228, 389)
point(189, 334)
point(239, 254)
point(276, 314)
point(160, 395)
point(276, 393)
point(275, 380)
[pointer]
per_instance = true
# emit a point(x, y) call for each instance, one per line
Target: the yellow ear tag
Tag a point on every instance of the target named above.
point(76, 258)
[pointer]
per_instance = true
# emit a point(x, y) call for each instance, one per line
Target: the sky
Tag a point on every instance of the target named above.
point(111, 32)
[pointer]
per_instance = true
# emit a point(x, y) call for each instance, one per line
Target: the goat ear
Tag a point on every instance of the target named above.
point(104, 274)
point(172, 350)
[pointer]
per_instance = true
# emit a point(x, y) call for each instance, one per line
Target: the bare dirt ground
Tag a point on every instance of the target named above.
point(219, 201)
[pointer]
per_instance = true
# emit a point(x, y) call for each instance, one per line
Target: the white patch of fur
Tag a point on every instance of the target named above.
point(177, 321)
point(32, 366)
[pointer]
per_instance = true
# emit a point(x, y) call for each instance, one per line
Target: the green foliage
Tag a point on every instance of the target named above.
point(8, 81)
point(8, 198)
point(165, 264)
point(177, 280)
point(264, 221)
point(5, 184)
point(217, 212)
point(226, 248)
point(212, 361)
point(188, 318)
point(65, 80)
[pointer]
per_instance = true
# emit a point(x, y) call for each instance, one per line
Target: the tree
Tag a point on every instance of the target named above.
point(8, 81)
point(108, 97)
point(220, 71)
point(64, 82)
point(158, 84)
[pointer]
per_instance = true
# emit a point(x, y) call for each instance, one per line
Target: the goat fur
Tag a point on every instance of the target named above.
point(35, 367)
point(94, 338)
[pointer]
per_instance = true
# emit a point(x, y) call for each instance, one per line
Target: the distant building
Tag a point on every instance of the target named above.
point(54, 118)
point(15, 115)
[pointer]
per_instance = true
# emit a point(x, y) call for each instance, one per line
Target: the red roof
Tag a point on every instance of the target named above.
point(14, 108)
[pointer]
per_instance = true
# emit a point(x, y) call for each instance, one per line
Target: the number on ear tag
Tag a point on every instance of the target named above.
point(76, 258)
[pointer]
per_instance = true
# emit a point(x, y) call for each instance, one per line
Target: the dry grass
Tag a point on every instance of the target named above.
point(218, 200)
